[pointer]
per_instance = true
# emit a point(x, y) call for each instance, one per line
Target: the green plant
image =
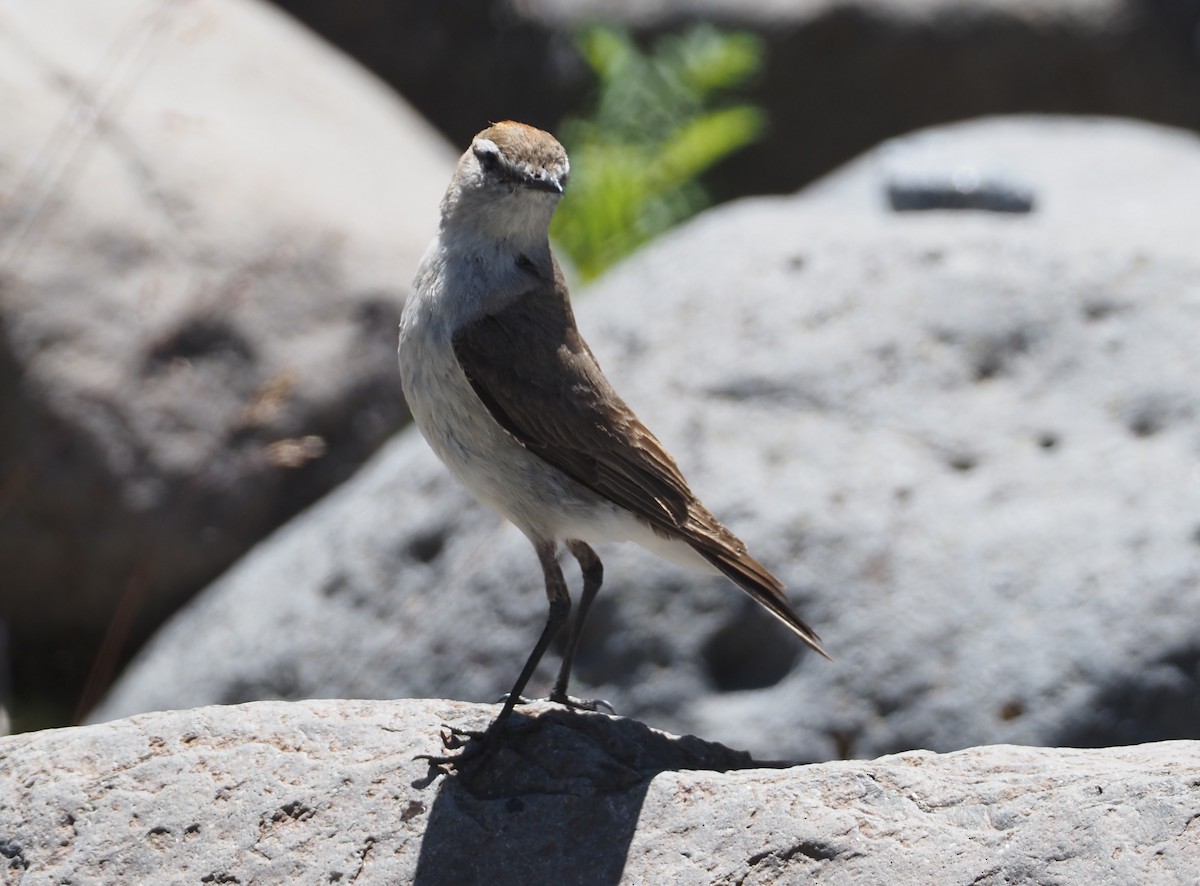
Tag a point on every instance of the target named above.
point(657, 126)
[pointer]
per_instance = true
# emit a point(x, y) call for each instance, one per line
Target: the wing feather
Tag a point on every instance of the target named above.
point(540, 382)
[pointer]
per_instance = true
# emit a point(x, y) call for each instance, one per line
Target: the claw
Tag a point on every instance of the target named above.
point(583, 704)
point(453, 739)
point(471, 743)
point(567, 701)
point(520, 699)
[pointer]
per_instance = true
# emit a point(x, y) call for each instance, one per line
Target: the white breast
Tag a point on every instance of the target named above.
point(489, 461)
point(538, 498)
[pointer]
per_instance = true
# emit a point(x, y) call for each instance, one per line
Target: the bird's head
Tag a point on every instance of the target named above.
point(509, 181)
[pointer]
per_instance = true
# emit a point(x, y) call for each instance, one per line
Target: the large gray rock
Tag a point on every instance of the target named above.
point(329, 792)
point(208, 225)
point(968, 444)
point(841, 75)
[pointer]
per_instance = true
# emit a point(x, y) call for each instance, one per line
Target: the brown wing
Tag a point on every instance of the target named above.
point(538, 379)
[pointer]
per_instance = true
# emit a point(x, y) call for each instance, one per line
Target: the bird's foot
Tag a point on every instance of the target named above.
point(473, 744)
point(581, 704)
point(567, 701)
point(519, 701)
point(470, 743)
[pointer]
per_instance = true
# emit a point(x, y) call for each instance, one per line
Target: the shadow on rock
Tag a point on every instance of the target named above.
point(1157, 701)
point(556, 799)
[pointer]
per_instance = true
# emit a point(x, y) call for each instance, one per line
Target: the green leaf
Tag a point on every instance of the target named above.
point(702, 142)
point(711, 61)
point(653, 131)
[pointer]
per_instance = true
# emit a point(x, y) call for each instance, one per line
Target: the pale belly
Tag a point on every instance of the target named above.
point(489, 461)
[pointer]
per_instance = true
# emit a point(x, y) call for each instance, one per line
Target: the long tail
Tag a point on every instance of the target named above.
point(727, 553)
point(753, 578)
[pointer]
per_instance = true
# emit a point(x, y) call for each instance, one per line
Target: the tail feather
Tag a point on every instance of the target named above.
point(727, 553)
point(750, 575)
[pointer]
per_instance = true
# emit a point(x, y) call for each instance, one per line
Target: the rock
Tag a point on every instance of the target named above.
point(5, 684)
point(965, 441)
point(841, 75)
point(920, 182)
point(330, 792)
point(1075, 170)
point(209, 222)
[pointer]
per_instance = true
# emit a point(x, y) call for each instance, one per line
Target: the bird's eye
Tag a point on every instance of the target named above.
point(489, 157)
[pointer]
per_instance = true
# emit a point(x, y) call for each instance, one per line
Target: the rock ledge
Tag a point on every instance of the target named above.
point(329, 791)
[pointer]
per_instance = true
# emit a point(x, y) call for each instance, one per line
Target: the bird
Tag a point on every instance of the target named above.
point(510, 397)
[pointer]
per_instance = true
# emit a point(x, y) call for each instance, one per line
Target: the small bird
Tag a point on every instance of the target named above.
point(510, 397)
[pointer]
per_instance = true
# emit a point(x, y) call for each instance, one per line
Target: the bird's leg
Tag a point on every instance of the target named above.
point(593, 577)
point(560, 611)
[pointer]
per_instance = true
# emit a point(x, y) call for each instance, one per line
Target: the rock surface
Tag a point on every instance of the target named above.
point(329, 792)
point(841, 75)
point(208, 224)
point(968, 443)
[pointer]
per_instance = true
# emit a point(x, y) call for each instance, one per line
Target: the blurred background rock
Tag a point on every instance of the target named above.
point(209, 219)
point(967, 441)
point(840, 76)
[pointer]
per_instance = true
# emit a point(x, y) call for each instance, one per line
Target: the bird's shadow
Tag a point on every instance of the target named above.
point(555, 800)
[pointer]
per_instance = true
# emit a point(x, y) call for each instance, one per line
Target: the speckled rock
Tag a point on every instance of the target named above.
point(330, 792)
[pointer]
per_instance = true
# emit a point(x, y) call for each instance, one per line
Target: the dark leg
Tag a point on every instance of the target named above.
point(593, 577)
point(560, 611)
